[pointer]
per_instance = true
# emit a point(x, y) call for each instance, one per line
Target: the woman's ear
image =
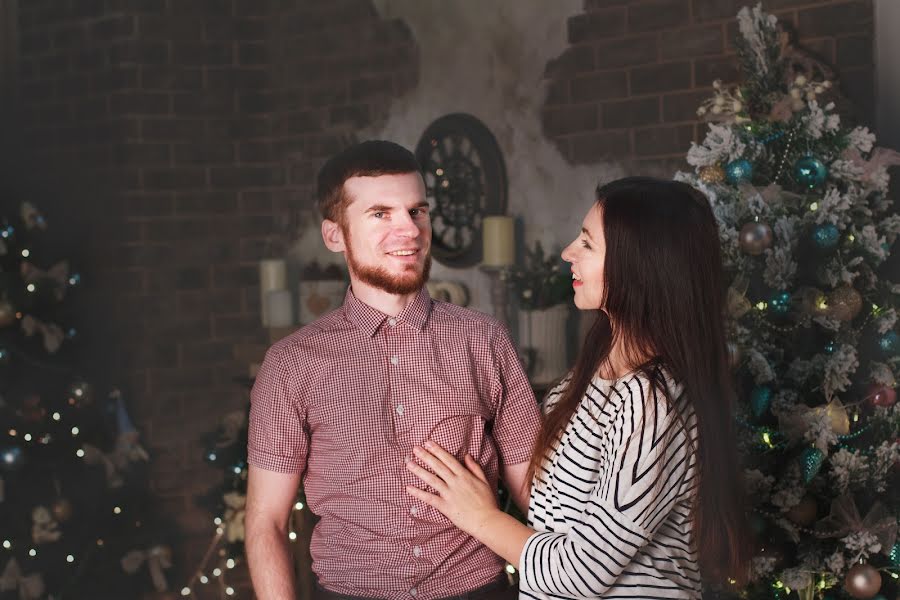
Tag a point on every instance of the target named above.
point(333, 236)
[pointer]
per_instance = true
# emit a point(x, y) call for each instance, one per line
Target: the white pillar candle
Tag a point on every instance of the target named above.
point(279, 307)
point(272, 276)
point(498, 241)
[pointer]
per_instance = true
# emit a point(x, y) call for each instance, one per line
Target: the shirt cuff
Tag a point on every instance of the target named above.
point(274, 462)
point(516, 456)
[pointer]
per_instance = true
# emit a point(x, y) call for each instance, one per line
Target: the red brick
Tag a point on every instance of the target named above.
point(670, 139)
point(834, 19)
point(683, 107)
point(656, 15)
point(630, 113)
point(627, 52)
point(596, 25)
point(691, 42)
point(664, 77)
point(705, 10)
point(601, 86)
point(575, 59)
point(571, 119)
point(606, 145)
point(855, 51)
point(706, 70)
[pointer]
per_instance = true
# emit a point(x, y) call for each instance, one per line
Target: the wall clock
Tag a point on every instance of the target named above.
point(465, 180)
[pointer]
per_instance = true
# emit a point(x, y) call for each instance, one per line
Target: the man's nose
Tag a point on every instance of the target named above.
point(404, 225)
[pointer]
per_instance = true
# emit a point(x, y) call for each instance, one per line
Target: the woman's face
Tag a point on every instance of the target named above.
point(587, 253)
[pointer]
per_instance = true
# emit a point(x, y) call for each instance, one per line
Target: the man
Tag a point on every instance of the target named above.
point(342, 402)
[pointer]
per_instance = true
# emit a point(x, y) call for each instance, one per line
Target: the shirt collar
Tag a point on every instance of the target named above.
point(369, 319)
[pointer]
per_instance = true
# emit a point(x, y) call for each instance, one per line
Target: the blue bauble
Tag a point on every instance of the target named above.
point(780, 304)
point(889, 342)
point(826, 236)
point(11, 458)
point(760, 399)
point(894, 555)
point(738, 171)
point(829, 347)
point(811, 460)
point(810, 172)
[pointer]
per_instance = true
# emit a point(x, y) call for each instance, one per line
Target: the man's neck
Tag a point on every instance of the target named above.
point(390, 304)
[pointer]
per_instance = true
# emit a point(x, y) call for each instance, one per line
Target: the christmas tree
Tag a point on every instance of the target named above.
point(75, 512)
point(806, 228)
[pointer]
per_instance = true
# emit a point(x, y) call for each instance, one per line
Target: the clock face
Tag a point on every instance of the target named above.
point(465, 180)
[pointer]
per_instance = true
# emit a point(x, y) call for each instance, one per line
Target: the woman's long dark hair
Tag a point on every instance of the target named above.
point(664, 299)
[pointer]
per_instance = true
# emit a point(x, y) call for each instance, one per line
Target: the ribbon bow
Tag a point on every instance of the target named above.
point(51, 332)
point(128, 450)
point(30, 587)
point(157, 559)
point(58, 274)
point(844, 519)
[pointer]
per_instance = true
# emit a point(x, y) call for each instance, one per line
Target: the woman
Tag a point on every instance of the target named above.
point(635, 488)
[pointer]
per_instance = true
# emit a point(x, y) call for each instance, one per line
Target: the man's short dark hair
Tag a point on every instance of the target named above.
point(367, 159)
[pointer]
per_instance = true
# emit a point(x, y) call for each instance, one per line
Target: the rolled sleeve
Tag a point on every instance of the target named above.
point(278, 439)
point(517, 419)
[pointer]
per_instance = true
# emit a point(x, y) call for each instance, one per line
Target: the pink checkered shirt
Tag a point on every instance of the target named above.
point(343, 401)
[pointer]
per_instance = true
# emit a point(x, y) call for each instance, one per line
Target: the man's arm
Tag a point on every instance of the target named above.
point(520, 489)
point(270, 496)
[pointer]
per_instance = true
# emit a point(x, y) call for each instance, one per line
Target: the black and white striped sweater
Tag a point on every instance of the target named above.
point(611, 503)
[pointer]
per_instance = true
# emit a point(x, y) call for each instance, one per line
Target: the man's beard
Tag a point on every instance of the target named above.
point(378, 277)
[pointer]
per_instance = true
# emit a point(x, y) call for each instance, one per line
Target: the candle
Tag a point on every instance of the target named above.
point(272, 276)
point(498, 241)
point(278, 303)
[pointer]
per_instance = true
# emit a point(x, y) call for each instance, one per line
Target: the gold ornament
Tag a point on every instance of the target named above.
point(837, 416)
point(7, 313)
point(62, 510)
point(862, 581)
point(737, 304)
point(844, 303)
point(813, 301)
point(755, 237)
point(804, 512)
point(712, 174)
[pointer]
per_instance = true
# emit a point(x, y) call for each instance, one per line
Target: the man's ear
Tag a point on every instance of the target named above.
point(333, 236)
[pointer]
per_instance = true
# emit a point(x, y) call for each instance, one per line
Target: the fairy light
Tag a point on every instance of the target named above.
point(57, 416)
point(217, 572)
point(26, 252)
point(220, 531)
point(117, 510)
point(30, 287)
point(13, 432)
point(32, 553)
point(204, 579)
point(185, 591)
point(75, 431)
point(814, 206)
point(70, 558)
point(27, 437)
point(79, 453)
point(767, 439)
point(7, 544)
point(761, 305)
point(229, 590)
point(510, 569)
point(298, 506)
point(230, 563)
point(217, 521)
point(292, 536)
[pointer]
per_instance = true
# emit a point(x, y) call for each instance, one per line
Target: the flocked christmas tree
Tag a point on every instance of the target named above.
point(76, 516)
point(806, 227)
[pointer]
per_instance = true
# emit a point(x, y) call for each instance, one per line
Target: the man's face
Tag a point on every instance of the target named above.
point(387, 232)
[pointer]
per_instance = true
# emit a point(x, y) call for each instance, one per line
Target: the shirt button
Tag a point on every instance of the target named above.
point(400, 409)
point(413, 592)
point(413, 510)
point(394, 360)
point(392, 321)
point(417, 551)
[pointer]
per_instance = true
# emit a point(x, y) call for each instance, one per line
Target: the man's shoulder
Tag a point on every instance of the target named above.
point(445, 313)
point(313, 336)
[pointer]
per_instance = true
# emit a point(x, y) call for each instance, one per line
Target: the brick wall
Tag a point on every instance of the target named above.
point(635, 71)
point(175, 139)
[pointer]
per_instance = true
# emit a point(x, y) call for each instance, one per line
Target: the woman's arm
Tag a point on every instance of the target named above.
point(467, 500)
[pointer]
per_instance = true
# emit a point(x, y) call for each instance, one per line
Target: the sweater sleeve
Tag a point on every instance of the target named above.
point(645, 478)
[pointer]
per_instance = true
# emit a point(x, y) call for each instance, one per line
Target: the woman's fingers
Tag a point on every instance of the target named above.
point(445, 457)
point(430, 478)
point(435, 463)
point(429, 499)
point(475, 468)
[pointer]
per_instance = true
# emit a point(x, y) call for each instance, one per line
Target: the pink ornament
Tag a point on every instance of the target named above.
point(880, 395)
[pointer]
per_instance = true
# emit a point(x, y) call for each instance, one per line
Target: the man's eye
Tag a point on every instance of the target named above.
point(378, 215)
point(417, 211)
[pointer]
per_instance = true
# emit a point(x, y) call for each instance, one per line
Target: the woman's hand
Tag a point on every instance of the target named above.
point(465, 496)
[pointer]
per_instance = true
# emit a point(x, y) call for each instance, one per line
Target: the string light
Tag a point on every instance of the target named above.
point(13, 432)
point(230, 563)
point(510, 569)
point(79, 453)
point(70, 558)
point(26, 252)
point(117, 510)
point(217, 520)
point(57, 416)
point(217, 572)
point(75, 431)
point(298, 506)
point(27, 437)
point(30, 287)
point(32, 553)
point(292, 536)
point(229, 590)
point(7, 544)
point(204, 579)
point(185, 591)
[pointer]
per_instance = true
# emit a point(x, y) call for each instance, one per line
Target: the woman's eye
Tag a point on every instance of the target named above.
point(584, 244)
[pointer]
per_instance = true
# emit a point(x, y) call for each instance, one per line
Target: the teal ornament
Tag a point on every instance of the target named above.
point(894, 555)
point(826, 236)
point(829, 347)
point(738, 171)
point(780, 303)
point(810, 172)
point(760, 399)
point(811, 460)
point(889, 342)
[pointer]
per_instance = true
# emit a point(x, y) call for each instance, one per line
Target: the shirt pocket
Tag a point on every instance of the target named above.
point(463, 425)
